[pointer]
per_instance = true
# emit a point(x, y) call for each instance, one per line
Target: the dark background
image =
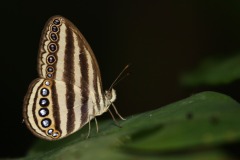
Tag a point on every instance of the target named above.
point(160, 39)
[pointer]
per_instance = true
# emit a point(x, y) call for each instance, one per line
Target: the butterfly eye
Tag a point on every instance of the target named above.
point(108, 94)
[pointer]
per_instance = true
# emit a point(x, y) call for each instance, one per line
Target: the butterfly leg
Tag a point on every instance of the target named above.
point(116, 122)
point(117, 112)
point(96, 124)
point(89, 124)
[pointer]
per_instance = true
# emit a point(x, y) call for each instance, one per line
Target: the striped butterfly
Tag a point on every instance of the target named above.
point(68, 92)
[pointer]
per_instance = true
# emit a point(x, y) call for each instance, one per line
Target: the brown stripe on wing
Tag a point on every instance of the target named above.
point(55, 105)
point(84, 86)
point(95, 86)
point(68, 76)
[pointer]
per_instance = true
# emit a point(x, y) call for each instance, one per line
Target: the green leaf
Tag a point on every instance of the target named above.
point(213, 71)
point(203, 126)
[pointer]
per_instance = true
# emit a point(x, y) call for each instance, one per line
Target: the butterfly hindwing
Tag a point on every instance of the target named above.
point(48, 109)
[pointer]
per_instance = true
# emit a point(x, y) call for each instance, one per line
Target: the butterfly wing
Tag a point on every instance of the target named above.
point(70, 78)
point(63, 43)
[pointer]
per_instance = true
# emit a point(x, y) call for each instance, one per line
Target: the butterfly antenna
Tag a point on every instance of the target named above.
point(119, 78)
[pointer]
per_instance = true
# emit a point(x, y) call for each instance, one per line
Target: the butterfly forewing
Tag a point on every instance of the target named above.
point(68, 45)
point(69, 91)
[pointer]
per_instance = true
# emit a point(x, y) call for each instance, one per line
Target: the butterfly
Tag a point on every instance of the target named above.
point(68, 93)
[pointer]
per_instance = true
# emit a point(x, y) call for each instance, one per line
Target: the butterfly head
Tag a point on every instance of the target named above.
point(110, 95)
